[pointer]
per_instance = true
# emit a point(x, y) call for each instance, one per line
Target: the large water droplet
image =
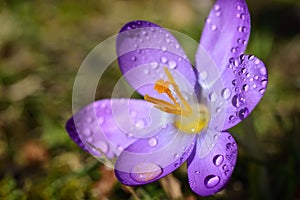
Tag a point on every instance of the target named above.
point(172, 64)
point(145, 172)
point(213, 96)
point(152, 142)
point(226, 93)
point(218, 160)
point(211, 181)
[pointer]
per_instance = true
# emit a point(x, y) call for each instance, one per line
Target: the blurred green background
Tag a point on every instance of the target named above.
point(42, 44)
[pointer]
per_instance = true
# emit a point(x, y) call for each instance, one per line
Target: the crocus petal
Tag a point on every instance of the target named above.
point(144, 49)
point(108, 126)
point(150, 159)
point(208, 175)
point(225, 35)
point(233, 97)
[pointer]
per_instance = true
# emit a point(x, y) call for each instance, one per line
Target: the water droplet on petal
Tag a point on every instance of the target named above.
point(217, 7)
point(234, 82)
point(176, 156)
point(211, 181)
point(242, 16)
point(197, 172)
point(168, 40)
point(243, 113)
point(263, 71)
point(164, 48)
point(245, 87)
point(146, 71)
point(203, 75)
point(133, 58)
point(172, 64)
point(213, 27)
point(154, 65)
point(261, 91)
point(264, 82)
point(87, 132)
point(152, 142)
point(226, 92)
point(163, 59)
point(144, 32)
point(218, 160)
point(213, 96)
point(177, 46)
point(101, 146)
point(218, 14)
point(235, 101)
point(232, 118)
point(145, 172)
point(140, 124)
point(218, 110)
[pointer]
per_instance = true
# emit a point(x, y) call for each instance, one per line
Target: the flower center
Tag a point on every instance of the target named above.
point(189, 118)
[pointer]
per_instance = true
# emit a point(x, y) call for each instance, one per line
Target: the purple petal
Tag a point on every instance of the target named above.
point(144, 49)
point(209, 174)
point(233, 97)
point(109, 126)
point(150, 159)
point(225, 34)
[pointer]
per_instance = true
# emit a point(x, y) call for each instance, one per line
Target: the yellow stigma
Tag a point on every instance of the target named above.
point(189, 119)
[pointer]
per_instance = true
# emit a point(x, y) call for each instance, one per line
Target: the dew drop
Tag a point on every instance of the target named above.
point(218, 14)
point(218, 110)
point(168, 40)
point(217, 7)
point(232, 118)
point(242, 16)
point(145, 172)
point(152, 142)
point(218, 160)
point(140, 124)
point(164, 48)
point(101, 146)
point(133, 58)
point(243, 113)
point(235, 101)
point(196, 172)
point(172, 64)
point(213, 27)
point(177, 46)
point(133, 114)
point(245, 87)
point(211, 181)
point(263, 71)
point(154, 65)
point(87, 132)
point(234, 82)
point(144, 32)
point(176, 156)
point(233, 50)
point(89, 119)
point(146, 71)
point(264, 82)
point(226, 93)
point(203, 75)
point(261, 91)
point(163, 59)
point(213, 96)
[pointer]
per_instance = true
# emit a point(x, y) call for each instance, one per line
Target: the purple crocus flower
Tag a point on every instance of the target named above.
point(187, 110)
